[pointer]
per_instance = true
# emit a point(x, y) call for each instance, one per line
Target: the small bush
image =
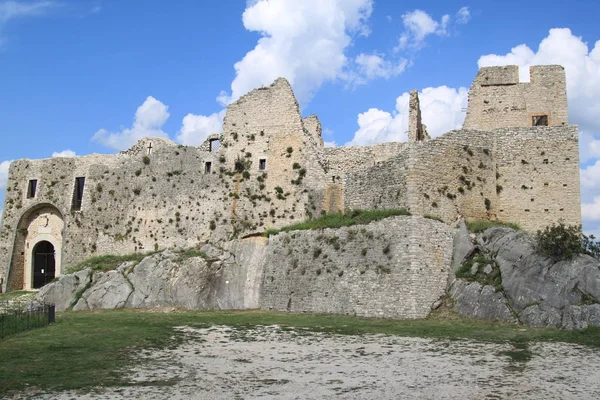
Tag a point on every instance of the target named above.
point(246, 175)
point(138, 172)
point(560, 242)
point(488, 204)
point(296, 166)
point(146, 160)
point(137, 191)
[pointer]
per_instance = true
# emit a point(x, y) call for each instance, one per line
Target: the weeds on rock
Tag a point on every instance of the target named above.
point(561, 242)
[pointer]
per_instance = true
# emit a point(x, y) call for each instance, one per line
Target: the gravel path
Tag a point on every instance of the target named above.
point(269, 362)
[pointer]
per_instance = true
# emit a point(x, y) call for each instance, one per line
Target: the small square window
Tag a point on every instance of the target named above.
point(214, 145)
point(207, 167)
point(262, 164)
point(32, 188)
point(539, 120)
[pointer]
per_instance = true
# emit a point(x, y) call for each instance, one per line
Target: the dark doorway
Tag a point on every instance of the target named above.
point(43, 264)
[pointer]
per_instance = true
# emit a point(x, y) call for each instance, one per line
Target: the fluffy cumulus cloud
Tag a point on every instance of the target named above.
point(64, 153)
point(372, 66)
point(148, 121)
point(582, 67)
point(441, 111)
point(303, 41)
point(418, 25)
point(196, 128)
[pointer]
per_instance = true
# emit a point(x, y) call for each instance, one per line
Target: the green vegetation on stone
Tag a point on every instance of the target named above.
point(480, 226)
point(108, 262)
point(339, 220)
point(560, 241)
point(494, 278)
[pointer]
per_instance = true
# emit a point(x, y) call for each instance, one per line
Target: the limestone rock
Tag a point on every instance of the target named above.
point(542, 292)
point(474, 300)
point(62, 292)
point(108, 290)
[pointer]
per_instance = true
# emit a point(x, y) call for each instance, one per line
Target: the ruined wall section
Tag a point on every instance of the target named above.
point(132, 202)
point(394, 268)
point(266, 125)
point(452, 176)
point(538, 176)
point(382, 186)
point(343, 160)
point(497, 99)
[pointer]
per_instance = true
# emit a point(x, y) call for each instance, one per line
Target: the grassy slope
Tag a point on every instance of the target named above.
point(338, 220)
point(87, 349)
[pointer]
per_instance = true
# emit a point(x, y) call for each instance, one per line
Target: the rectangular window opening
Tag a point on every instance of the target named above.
point(564, 185)
point(78, 194)
point(207, 167)
point(32, 188)
point(545, 161)
point(262, 164)
point(539, 120)
point(214, 145)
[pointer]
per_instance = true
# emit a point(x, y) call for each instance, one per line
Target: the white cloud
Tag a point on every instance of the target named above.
point(303, 41)
point(591, 211)
point(329, 144)
point(64, 153)
point(196, 128)
point(4, 165)
point(371, 66)
point(148, 122)
point(463, 15)
point(441, 111)
point(418, 25)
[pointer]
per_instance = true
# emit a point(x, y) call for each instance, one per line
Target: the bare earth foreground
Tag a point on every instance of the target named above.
point(270, 362)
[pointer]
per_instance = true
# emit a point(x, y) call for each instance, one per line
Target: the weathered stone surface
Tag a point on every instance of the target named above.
point(219, 279)
point(62, 292)
point(478, 301)
point(542, 292)
point(108, 290)
point(394, 268)
point(463, 246)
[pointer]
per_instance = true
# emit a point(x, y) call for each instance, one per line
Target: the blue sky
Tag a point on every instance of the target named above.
point(93, 76)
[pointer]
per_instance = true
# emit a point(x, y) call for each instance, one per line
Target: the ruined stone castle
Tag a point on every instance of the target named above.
point(514, 160)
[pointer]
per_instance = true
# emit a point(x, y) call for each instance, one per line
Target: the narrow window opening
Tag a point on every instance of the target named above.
point(545, 183)
point(562, 209)
point(32, 188)
point(545, 161)
point(207, 167)
point(78, 194)
point(567, 159)
point(564, 185)
point(539, 120)
point(262, 164)
point(214, 145)
point(546, 210)
point(532, 199)
point(526, 210)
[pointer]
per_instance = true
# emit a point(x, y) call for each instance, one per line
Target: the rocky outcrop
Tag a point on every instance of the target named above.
point(211, 278)
point(534, 289)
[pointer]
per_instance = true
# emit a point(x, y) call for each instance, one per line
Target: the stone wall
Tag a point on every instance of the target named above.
point(161, 195)
point(497, 99)
point(538, 176)
point(395, 268)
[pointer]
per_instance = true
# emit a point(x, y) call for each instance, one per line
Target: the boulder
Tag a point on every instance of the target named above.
point(539, 290)
point(63, 291)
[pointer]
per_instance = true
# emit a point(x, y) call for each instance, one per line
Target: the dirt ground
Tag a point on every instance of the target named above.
point(272, 363)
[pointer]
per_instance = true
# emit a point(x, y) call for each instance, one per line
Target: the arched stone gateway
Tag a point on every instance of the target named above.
point(36, 258)
point(43, 264)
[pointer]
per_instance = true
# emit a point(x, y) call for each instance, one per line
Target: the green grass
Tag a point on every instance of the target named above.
point(16, 294)
point(87, 349)
point(108, 262)
point(480, 226)
point(339, 220)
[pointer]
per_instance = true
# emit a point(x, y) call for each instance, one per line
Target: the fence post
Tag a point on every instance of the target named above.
point(51, 309)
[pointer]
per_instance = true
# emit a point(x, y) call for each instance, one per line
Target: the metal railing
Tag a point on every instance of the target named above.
point(19, 317)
